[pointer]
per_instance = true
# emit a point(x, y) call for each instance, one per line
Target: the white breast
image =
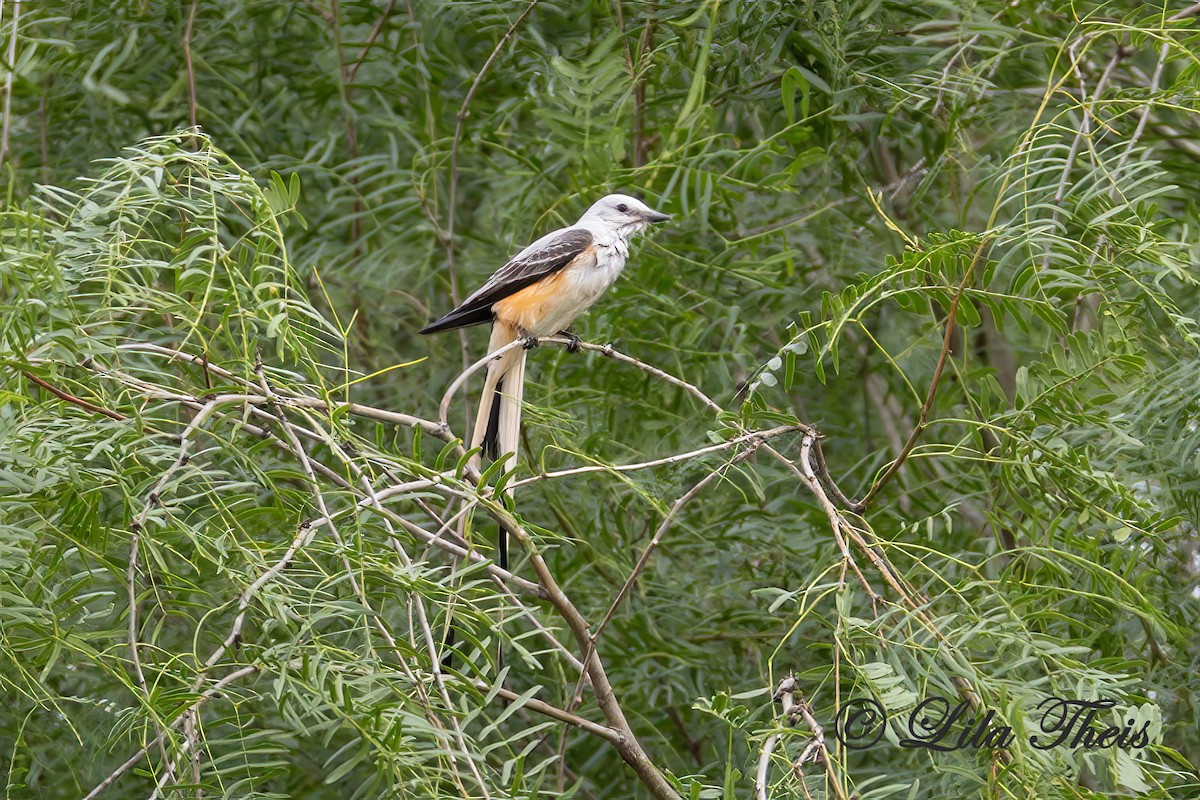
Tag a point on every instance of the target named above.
point(584, 282)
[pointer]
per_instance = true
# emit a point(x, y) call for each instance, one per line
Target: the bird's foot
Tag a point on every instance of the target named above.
point(528, 341)
point(573, 341)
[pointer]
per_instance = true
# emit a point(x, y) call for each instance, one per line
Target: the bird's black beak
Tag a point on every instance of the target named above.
point(654, 216)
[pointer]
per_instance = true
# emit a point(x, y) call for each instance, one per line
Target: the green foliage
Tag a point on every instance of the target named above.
point(187, 315)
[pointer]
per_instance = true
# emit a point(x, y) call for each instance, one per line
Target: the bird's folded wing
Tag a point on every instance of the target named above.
point(544, 257)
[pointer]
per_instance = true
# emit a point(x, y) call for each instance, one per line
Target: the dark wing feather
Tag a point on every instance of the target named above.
point(544, 257)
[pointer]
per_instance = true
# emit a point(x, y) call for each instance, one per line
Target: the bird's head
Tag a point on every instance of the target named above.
point(622, 213)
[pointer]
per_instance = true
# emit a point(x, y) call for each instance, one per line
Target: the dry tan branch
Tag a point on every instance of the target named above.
point(793, 710)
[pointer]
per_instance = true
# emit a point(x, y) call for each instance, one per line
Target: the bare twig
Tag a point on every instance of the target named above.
point(455, 145)
point(258, 398)
point(213, 691)
point(837, 522)
point(985, 241)
point(153, 500)
point(378, 414)
point(1163, 52)
point(439, 683)
point(606, 349)
point(441, 483)
point(816, 745)
point(961, 52)
point(931, 394)
point(659, 462)
point(821, 468)
point(304, 534)
point(352, 70)
point(192, 734)
point(533, 704)
point(629, 748)
point(70, 398)
point(912, 598)
point(187, 61)
point(816, 750)
point(652, 545)
point(1089, 114)
point(1190, 11)
point(11, 61)
point(460, 120)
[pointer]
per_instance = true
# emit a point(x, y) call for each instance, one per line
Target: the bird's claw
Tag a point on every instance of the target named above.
point(528, 342)
point(573, 341)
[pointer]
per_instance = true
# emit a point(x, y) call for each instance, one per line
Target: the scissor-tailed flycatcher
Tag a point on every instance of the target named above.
point(539, 293)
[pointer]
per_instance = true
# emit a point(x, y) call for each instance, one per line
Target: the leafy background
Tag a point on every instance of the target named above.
point(959, 238)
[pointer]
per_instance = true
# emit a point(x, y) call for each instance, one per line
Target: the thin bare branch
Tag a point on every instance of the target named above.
point(213, 691)
point(189, 67)
point(793, 710)
point(1190, 11)
point(652, 545)
point(769, 433)
point(533, 704)
point(70, 398)
point(377, 621)
point(452, 196)
point(629, 748)
point(11, 61)
point(352, 70)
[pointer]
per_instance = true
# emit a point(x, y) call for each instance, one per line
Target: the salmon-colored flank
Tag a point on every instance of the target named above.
point(526, 308)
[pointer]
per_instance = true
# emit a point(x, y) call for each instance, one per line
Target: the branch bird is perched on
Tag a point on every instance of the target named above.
point(539, 293)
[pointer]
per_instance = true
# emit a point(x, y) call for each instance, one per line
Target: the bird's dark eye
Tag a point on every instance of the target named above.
point(622, 208)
